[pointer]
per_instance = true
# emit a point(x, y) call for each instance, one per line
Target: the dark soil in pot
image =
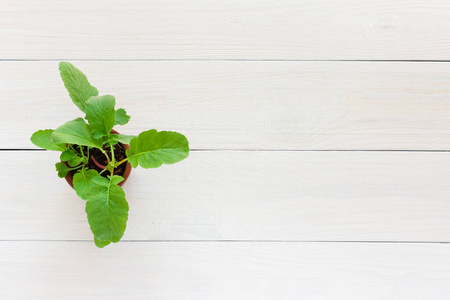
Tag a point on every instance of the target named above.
point(98, 159)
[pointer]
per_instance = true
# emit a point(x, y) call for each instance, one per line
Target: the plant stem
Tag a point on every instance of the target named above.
point(121, 162)
point(81, 150)
point(97, 163)
point(77, 167)
point(107, 157)
point(113, 160)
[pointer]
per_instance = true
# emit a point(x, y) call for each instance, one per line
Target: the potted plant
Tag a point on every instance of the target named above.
point(96, 160)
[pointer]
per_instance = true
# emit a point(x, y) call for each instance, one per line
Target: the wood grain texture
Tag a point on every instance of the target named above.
point(239, 78)
point(237, 29)
point(233, 195)
point(77, 270)
point(246, 105)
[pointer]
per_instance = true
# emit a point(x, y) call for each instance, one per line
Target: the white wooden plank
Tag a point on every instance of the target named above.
point(236, 29)
point(246, 105)
point(77, 270)
point(234, 195)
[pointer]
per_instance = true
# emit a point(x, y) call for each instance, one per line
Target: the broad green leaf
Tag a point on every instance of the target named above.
point(68, 155)
point(100, 114)
point(107, 211)
point(100, 243)
point(108, 144)
point(62, 169)
point(121, 117)
point(125, 139)
point(75, 132)
point(151, 148)
point(75, 161)
point(100, 180)
point(82, 181)
point(41, 138)
point(113, 139)
point(76, 83)
point(116, 179)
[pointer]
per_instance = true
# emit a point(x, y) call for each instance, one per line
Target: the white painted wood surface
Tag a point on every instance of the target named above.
point(235, 195)
point(209, 270)
point(247, 105)
point(225, 29)
point(250, 214)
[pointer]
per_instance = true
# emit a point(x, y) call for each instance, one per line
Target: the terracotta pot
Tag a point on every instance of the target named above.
point(69, 178)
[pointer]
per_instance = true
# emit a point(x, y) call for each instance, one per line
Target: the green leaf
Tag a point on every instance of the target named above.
point(116, 179)
point(107, 210)
point(121, 117)
point(100, 180)
point(113, 138)
point(68, 155)
point(76, 83)
point(75, 132)
point(82, 181)
point(75, 161)
point(151, 148)
point(41, 138)
point(125, 139)
point(62, 169)
point(100, 243)
point(100, 114)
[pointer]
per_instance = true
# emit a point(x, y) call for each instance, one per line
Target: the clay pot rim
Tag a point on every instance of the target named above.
point(69, 178)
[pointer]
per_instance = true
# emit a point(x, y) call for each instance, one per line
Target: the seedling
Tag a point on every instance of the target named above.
point(96, 157)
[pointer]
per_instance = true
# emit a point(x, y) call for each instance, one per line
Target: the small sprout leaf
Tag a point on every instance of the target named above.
point(121, 117)
point(75, 161)
point(67, 155)
point(62, 169)
point(82, 181)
